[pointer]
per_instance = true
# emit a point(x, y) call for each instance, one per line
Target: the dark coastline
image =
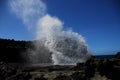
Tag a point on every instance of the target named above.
point(14, 67)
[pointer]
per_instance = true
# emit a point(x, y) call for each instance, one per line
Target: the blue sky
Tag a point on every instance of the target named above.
point(97, 20)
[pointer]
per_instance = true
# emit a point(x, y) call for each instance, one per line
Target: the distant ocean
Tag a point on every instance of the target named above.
point(103, 56)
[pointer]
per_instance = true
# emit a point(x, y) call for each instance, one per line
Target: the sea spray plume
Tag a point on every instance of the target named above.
point(40, 54)
point(48, 26)
point(28, 10)
point(53, 43)
point(67, 47)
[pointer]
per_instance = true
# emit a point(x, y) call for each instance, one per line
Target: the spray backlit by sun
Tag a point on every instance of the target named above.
point(53, 43)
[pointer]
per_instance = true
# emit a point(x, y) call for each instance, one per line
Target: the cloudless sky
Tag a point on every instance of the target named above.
point(97, 20)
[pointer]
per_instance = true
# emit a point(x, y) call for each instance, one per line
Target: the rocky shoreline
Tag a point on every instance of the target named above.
point(92, 69)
